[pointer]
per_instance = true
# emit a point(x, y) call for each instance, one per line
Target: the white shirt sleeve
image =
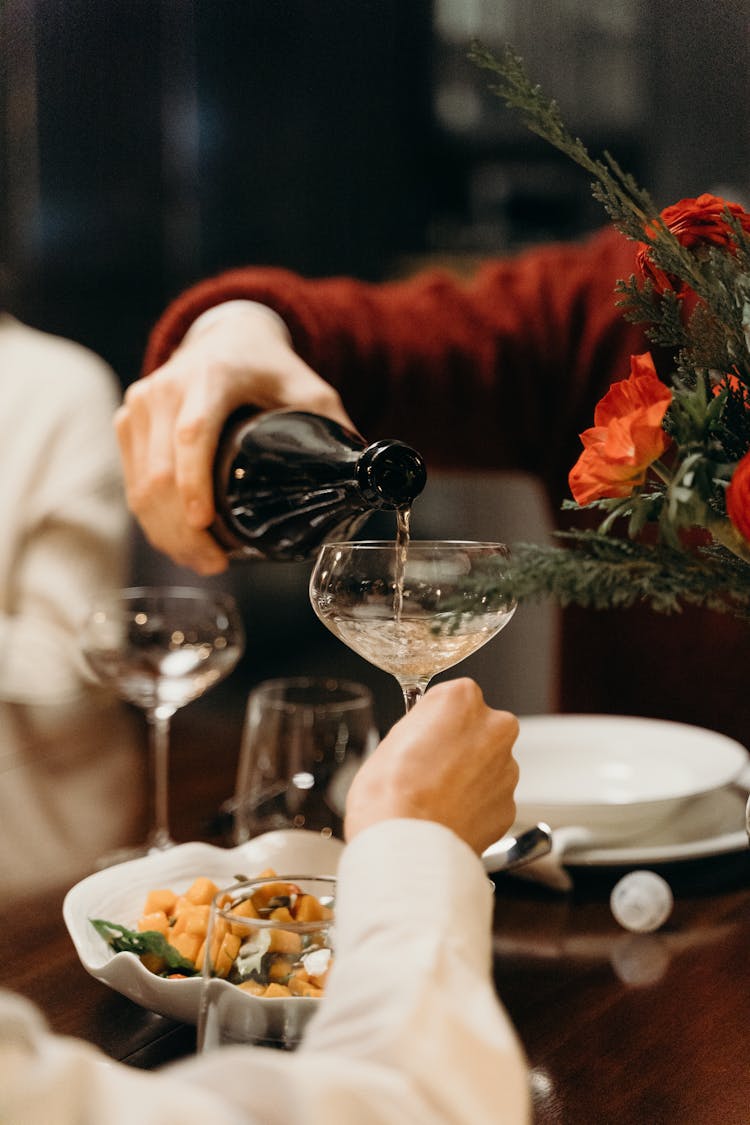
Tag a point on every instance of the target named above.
point(410, 1030)
point(62, 503)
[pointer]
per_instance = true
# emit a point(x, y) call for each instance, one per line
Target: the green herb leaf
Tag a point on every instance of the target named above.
point(123, 940)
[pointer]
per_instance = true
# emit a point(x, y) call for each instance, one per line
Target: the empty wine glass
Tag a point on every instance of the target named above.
point(303, 741)
point(160, 648)
point(414, 609)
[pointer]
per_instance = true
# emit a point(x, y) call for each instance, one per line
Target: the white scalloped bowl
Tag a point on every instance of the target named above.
point(617, 775)
point(118, 893)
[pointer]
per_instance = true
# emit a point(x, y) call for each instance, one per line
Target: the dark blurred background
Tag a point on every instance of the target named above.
point(147, 143)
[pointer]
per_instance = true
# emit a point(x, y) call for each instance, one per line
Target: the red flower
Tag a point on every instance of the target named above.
point(738, 497)
point(626, 437)
point(695, 223)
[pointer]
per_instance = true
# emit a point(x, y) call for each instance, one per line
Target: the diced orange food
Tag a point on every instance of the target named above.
point(284, 941)
point(163, 901)
point(253, 986)
point(298, 986)
point(280, 969)
point(191, 919)
point(183, 919)
point(187, 945)
point(157, 921)
point(182, 903)
point(202, 891)
point(221, 927)
point(226, 954)
point(264, 894)
point(244, 909)
point(277, 990)
point(197, 920)
point(309, 909)
point(281, 914)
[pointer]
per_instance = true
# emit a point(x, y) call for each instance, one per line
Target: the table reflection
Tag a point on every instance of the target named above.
point(72, 787)
point(637, 959)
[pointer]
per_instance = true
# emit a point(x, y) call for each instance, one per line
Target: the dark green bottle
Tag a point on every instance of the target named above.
point(286, 481)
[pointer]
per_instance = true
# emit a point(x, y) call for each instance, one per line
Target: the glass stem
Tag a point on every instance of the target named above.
point(413, 693)
point(159, 723)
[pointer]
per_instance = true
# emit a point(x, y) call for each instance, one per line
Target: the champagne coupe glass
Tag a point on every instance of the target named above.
point(415, 609)
point(161, 647)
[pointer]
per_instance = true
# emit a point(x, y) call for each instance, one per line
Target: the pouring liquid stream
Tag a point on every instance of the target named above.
point(403, 521)
point(412, 690)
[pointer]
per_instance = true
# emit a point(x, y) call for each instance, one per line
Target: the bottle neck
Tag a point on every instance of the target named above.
point(390, 474)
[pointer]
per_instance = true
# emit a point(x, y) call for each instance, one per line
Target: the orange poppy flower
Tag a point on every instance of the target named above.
point(626, 437)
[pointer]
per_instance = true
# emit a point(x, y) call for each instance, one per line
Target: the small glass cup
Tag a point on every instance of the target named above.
point(303, 741)
point(269, 947)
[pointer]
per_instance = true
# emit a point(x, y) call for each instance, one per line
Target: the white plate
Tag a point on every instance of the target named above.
point(709, 825)
point(118, 893)
point(617, 775)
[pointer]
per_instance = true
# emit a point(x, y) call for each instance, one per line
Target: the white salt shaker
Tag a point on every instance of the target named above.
point(641, 902)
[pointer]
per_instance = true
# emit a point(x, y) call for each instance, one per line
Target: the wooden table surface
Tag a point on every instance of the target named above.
point(619, 1029)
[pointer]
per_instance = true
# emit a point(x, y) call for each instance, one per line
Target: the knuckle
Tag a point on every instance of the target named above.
point(130, 399)
point(137, 497)
point(190, 431)
point(506, 724)
point(328, 397)
point(465, 688)
point(160, 479)
point(140, 390)
point(511, 722)
point(144, 488)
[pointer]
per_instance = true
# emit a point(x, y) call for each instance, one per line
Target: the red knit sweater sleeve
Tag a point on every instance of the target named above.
point(502, 371)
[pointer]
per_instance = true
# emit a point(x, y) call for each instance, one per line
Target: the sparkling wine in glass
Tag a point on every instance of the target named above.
point(412, 608)
point(160, 648)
